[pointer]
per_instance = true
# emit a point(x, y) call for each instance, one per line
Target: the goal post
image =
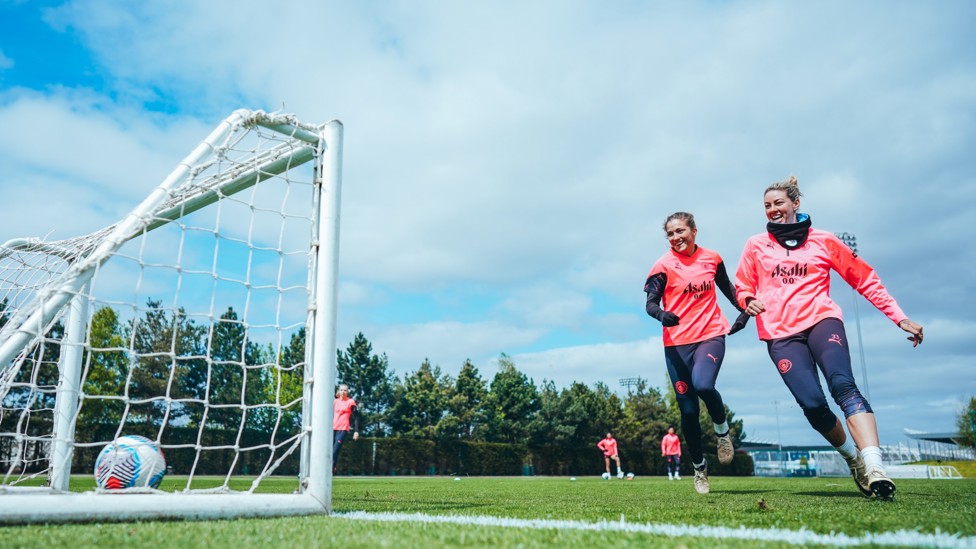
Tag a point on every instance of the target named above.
point(203, 320)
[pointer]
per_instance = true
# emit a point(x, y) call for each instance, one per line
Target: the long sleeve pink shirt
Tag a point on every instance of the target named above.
point(794, 285)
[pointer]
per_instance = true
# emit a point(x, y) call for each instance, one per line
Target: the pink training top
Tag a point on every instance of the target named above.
point(342, 414)
point(609, 446)
point(690, 294)
point(671, 445)
point(794, 285)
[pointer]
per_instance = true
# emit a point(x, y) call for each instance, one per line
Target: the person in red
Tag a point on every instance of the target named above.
point(609, 447)
point(681, 295)
point(344, 418)
point(783, 280)
point(671, 450)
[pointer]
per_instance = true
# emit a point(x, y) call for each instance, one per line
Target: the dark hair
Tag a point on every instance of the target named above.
point(680, 216)
point(791, 186)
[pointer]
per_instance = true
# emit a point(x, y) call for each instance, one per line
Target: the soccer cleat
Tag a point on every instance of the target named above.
point(620, 475)
point(701, 480)
point(860, 474)
point(677, 476)
point(881, 485)
point(725, 450)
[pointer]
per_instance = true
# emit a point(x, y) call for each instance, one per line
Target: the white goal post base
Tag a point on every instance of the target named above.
point(93, 507)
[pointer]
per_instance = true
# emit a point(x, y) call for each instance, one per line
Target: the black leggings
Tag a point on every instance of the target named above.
point(693, 369)
point(797, 357)
point(337, 438)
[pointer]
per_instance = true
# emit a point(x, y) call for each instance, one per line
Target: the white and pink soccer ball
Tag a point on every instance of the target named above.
point(130, 461)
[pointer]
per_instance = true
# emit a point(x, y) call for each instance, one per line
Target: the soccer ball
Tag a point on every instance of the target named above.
point(630, 476)
point(130, 461)
point(606, 476)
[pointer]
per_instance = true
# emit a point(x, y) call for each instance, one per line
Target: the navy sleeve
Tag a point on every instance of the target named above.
point(654, 287)
point(725, 285)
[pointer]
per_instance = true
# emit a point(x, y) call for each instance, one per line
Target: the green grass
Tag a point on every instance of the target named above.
point(816, 504)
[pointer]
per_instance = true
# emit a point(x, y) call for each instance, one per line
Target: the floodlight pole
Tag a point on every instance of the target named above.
point(851, 242)
point(629, 382)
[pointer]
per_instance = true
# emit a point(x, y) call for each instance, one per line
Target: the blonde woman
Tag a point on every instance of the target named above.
point(783, 280)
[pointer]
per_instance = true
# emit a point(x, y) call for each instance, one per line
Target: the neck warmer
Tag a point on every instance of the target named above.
point(791, 235)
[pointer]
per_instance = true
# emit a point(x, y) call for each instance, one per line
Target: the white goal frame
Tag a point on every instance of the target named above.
point(65, 296)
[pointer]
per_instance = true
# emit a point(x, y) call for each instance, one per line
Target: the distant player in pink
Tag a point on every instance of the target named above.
point(784, 281)
point(344, 418)
point(609, 447)
point(671, 450)
point(681, 294)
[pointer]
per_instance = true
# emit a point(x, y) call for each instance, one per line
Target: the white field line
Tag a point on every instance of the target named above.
point(796, 537)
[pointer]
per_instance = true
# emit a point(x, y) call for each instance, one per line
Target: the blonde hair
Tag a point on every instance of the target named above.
point(791, 186)
point(680, 216)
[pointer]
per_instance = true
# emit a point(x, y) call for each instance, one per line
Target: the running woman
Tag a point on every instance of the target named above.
point(683, 281)
point(609, 447)
point(671, 450)
point(783, 280)
point(345, 417)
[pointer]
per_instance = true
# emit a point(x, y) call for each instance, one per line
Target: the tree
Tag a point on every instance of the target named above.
point(421, 402)
point(166, 346)
point(465, 412)
point(232, 381)
point(106, 365)
point(285, 386)
point(512, 404)
point(370, 383)
point(966, 422)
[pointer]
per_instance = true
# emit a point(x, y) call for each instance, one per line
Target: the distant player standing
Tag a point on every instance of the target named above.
point(784, 281)
point(344, 418)
point(684, 281)
point(671, 450)
point(609, 447)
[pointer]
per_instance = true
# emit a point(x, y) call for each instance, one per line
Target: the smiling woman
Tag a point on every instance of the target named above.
point(784, 281)
point(684, 280)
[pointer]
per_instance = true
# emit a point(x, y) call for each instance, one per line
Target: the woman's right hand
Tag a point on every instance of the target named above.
point(755, 307)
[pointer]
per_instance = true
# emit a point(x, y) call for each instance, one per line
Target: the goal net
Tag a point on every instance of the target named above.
point(204, 320)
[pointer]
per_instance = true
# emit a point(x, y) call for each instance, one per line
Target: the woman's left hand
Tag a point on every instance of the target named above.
point(912, 328)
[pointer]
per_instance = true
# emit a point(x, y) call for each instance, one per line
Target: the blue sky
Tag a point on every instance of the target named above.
point(508, 165)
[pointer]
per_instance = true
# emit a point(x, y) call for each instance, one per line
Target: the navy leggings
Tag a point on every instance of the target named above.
point(797, 357)
point(337, 438)
point(693, 369)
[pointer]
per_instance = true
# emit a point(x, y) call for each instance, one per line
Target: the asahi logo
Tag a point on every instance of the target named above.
point(789, 274)
point(699, 289)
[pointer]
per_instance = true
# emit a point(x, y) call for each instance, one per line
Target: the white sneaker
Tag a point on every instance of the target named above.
point(860, 474)
point(701, 480)
point(670, 476)
point(725, 449)
point(620, 474)
point(881, 485)
point(677, 477)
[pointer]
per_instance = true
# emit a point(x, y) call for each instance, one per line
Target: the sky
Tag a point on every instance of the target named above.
point(508, 165)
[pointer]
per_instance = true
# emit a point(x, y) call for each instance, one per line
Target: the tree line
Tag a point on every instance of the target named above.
point(197, 381)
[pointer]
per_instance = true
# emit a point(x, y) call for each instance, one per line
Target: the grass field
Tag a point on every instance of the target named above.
point(557, 512)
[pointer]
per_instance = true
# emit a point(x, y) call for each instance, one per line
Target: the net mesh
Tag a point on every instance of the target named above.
point(195, 326)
